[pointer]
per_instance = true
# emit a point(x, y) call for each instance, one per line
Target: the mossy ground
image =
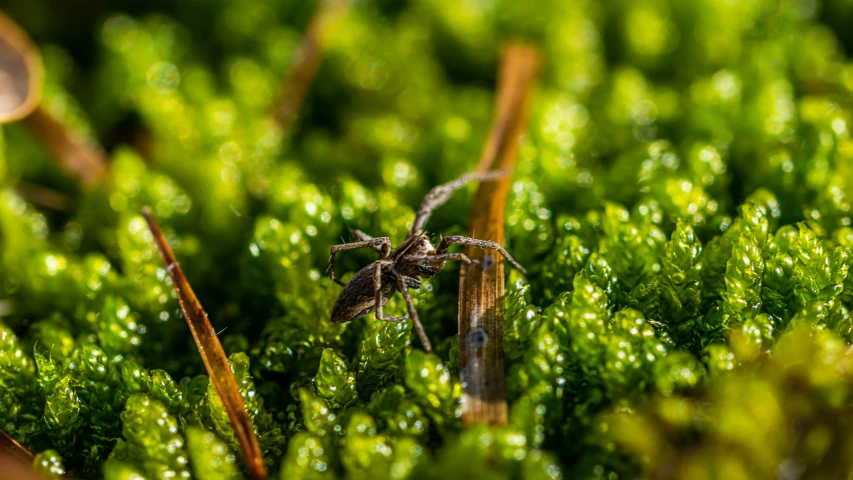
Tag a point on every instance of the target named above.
point(681, 202)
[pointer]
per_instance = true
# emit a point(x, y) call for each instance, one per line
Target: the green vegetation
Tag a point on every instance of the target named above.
point(681, 202)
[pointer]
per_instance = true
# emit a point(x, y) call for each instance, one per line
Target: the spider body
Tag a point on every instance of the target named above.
point(401, 269)
point(414, 248)
point(358, 297)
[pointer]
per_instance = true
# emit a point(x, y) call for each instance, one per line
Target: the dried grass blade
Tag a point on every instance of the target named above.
point(306, 62)
point(44, 196)
point(75, 153)
point(212, 355)
point(15, 449)
point(481, 291)
point(12, 469)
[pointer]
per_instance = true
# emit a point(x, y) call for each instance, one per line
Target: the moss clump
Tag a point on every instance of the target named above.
point(681, 202)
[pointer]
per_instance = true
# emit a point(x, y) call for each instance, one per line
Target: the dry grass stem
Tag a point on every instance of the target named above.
point(15, 450)
point(481, 289)
point(75, 153)
point(212, 354)
point(306, 62)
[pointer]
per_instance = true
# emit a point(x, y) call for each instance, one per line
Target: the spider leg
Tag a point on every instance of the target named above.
point(440, 258)
point(363, 237)
point(438, 195)
point(410, 306)
point(377, 290)
point(384, 243)
point(412, 283)
point(473, 242)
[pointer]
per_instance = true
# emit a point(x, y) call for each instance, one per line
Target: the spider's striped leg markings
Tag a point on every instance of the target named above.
point(438, 258)
point(377, 290)
point(473, 242)
point(382, 242)
point(410, 306)
point(440, 194)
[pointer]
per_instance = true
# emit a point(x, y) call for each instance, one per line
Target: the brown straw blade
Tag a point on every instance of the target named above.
point(44, 197)
point(481, 287)
point(16, 462)
point(13, 469)
point(212, 355)
point(14, 449)
point(305, 64)
point(75, 153)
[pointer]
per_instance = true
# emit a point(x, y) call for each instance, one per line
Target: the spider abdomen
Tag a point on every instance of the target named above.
point(358, 297)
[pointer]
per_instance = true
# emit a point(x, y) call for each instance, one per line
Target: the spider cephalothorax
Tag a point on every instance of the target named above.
point(400, 269)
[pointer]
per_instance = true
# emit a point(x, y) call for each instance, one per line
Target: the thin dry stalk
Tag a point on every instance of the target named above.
point(15, 460)
point(481, 289)
point(12, 469)
point(212, 354)
point(43, 196)
point(306, 62)
point(75, 153)
point(14, 449)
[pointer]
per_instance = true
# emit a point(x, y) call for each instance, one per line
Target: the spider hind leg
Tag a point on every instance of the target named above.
point(413, 314)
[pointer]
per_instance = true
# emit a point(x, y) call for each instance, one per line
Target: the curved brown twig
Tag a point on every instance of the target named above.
point(21, 77)
point(21, 72)
point(212, 355)
point(481, 287)
point(305, 64)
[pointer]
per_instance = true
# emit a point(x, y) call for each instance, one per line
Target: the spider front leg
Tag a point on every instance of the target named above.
point(363, 237)
point(410, 306)
point(437, 258)
point(384, 243)
point(440, 194)
point(377, 290)
point(473, 242)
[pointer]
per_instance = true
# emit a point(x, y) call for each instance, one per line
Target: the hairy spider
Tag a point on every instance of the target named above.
point(400, 269)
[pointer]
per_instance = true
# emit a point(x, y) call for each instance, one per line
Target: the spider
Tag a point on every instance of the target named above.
point(401, 269)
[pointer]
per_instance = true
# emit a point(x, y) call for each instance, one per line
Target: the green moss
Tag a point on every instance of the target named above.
point(48, 465)
point(746, 432)
point(210, 458)
point(152, 440)
point(681, 201)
